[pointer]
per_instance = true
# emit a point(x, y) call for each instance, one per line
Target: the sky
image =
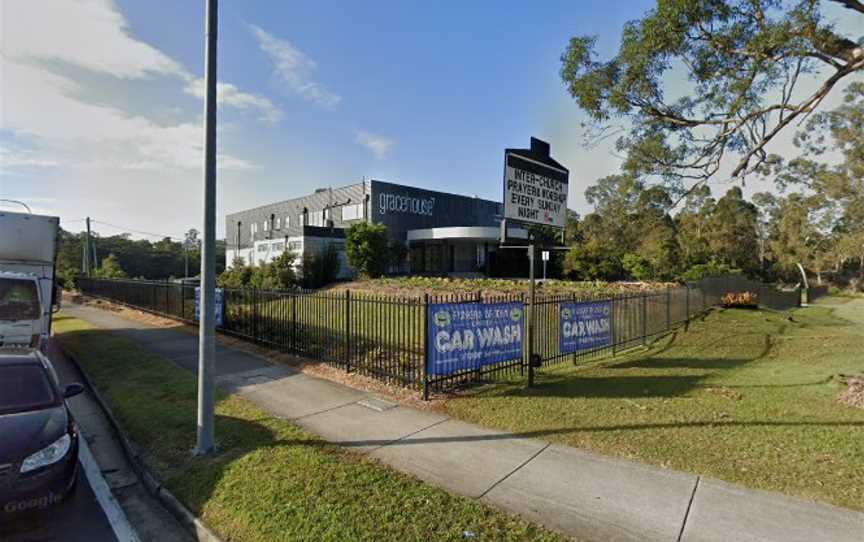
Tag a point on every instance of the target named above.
point(101, 102)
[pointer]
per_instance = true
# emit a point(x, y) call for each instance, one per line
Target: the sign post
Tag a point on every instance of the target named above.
point(535, 193)
point(545, 259)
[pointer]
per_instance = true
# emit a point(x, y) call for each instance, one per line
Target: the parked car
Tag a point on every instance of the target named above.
point(38, 435)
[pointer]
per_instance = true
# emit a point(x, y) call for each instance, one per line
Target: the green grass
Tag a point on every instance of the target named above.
point(745, 396)
point(270, 480)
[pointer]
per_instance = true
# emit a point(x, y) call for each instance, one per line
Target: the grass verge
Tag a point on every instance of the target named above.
point(746, 396)
point(269, 480)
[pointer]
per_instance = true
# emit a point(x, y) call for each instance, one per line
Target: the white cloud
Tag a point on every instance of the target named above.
point(378, 144)
point(54, 109)
point(97, 157)
point(90, 34)
point(295, 68)
point(14, 158)
point(228, 94)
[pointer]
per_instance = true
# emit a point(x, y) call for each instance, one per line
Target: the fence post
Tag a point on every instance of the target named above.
point(426, 347)
point(644, 319)
point(294, 296)
point(668, 309)
point(255, 314)
point(348, 330)
point(686, 306)
point(612, 322)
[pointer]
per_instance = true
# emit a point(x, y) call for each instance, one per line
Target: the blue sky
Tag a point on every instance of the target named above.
point(100, 107)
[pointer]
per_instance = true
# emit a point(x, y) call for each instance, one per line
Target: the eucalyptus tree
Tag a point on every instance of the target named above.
point(743, 63)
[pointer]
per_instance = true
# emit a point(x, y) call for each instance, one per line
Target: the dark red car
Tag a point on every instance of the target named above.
point(38, 436)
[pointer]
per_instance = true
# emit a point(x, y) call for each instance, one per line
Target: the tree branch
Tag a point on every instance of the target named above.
point(854, 5)
point(807, 105)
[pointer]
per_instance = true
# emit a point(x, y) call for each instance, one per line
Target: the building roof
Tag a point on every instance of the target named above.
point(539, 152)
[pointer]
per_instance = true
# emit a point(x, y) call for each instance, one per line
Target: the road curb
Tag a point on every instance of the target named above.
point(196, 527)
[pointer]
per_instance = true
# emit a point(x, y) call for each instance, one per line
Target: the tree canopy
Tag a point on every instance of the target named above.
point(743, 60)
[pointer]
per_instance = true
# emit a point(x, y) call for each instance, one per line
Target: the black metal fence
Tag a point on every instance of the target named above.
point(385, 337)
point(815, 292)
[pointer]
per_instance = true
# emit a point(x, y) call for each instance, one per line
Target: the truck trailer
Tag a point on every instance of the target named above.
point(28, 293)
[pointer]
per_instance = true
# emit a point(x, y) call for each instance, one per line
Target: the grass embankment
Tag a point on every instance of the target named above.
point(746, 396)
point(417, 286)
point(270, 480)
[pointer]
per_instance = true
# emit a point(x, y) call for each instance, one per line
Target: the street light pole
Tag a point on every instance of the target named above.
point(206, 330)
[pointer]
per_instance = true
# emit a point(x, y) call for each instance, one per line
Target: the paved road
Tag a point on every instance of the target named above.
point(79, 519)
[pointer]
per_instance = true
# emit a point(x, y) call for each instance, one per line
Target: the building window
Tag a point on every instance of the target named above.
point(352, 212)
point(263, 247)
point(316, 218)
point(296, 246)
point(277, 247)
point(278, 224)
point(287, 222)
point(266, 225)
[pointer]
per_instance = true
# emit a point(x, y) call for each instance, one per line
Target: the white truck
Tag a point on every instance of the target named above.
point(28, 250)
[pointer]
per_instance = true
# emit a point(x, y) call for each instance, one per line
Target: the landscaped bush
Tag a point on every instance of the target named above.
point(740, 299)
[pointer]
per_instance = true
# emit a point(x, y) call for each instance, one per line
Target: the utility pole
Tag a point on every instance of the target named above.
point(87, 250)
point(206, 331)
point(95, 265)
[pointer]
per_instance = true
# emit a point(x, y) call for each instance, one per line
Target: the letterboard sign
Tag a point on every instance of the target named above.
point(535, 186)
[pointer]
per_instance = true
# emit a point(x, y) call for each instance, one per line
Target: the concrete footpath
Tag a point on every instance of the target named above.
point(580, 494)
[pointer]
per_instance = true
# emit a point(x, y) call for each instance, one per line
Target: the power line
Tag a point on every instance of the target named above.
point(139, 232)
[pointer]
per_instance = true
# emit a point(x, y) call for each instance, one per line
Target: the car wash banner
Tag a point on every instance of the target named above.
point(585, 326)
point(469, 336)
point(217, 310)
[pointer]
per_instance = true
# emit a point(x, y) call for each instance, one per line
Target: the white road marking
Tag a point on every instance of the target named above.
point(119, 524)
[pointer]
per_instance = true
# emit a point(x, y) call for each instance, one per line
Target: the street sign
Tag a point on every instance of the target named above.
point(545, 255)
point(535, 186)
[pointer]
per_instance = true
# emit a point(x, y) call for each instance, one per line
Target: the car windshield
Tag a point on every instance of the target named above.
point(25, 387)
point(19, 299)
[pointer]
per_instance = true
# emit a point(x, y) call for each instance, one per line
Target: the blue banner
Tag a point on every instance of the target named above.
point(585, 326)
point(220, 302)
point(465, 336)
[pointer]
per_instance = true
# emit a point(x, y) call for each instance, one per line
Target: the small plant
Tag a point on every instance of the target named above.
point(740, 299)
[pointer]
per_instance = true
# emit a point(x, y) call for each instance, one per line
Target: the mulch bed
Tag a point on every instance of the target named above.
point(853, 395)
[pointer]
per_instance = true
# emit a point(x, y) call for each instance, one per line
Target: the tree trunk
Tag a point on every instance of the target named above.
point(861, 266)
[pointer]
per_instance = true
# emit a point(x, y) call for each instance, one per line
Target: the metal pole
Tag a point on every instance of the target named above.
point(426, 347)
point(532, 298)
point(186, 257)
point(206, 330)
point(644, 319)
point(87, 250)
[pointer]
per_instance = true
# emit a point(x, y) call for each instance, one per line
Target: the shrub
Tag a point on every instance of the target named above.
point(637, 267)
point(320, 269)
point(239, 275)
point(702, 270)
point(110, 269)
point(366, 246)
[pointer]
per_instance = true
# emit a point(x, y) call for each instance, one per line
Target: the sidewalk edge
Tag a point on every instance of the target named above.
point(196, 527)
